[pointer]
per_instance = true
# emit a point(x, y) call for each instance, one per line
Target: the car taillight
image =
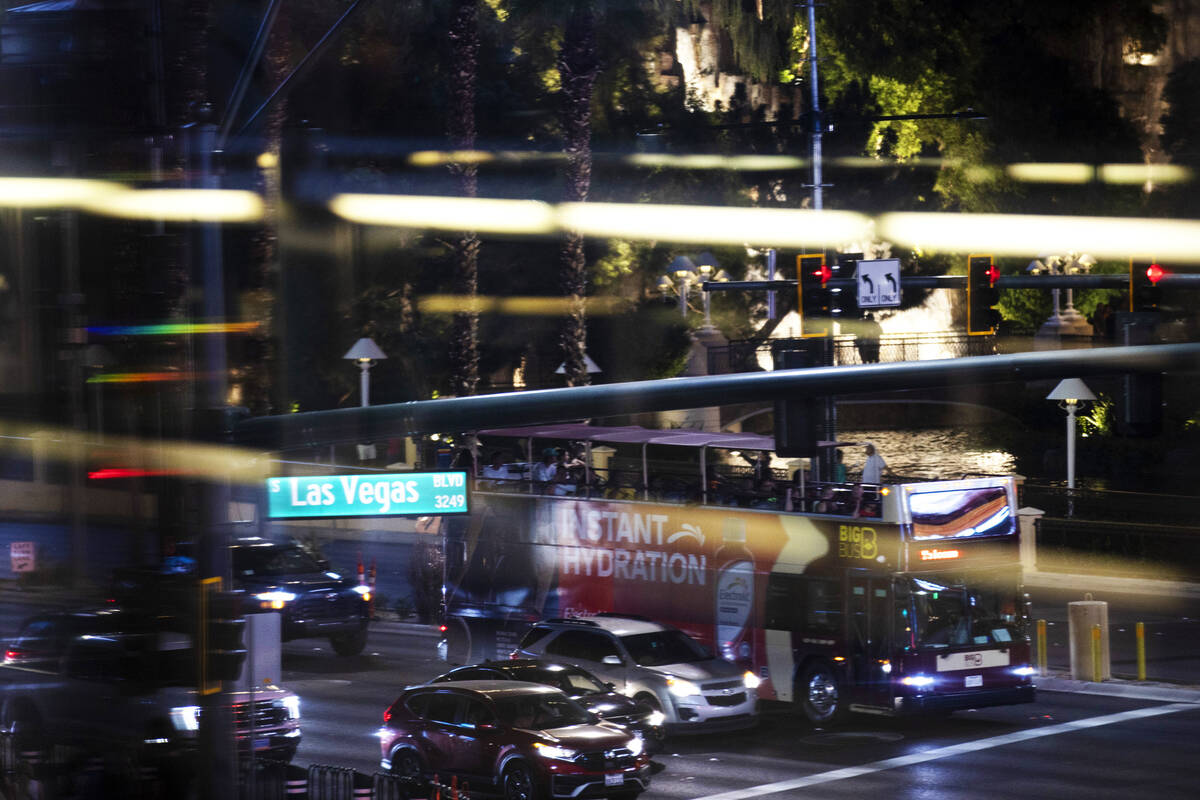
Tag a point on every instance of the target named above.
point(387, 715)
point(12, 655)
point(442, 628)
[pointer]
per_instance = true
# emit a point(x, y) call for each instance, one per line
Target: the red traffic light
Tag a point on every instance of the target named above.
point(824, 273)
point(992, 273)
point(1154, 273)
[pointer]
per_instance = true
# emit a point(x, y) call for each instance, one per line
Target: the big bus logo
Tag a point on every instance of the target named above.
point(857, 541)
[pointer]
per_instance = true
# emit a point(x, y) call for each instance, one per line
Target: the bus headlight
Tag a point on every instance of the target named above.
point(1024, 671)
point(917, 681)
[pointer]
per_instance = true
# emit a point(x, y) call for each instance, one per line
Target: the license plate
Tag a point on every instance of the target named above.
point(614, 780)
point(973, 681)
point(262, 744)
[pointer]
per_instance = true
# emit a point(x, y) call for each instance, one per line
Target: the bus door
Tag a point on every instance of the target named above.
point(869, 618)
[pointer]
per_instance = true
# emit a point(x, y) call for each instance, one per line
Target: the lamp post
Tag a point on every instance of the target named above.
point(365, 353)
point(1068, 322)
point(1070, 393)
point(709, 269)
point(683, 270)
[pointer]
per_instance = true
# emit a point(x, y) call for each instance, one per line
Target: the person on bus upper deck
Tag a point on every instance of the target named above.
point(497, 472)
point(543, 472)
point(565, 479)
point(839, 467)
point(873, 467)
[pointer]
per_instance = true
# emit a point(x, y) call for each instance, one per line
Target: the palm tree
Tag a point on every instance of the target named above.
point(464, 341)
point(579, 25)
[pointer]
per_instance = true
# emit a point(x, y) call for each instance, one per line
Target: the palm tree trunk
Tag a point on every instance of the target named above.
point(577, 68)
point(464, 342)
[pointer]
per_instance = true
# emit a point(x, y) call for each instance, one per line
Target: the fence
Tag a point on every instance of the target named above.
point(748, 355)
point(30, 771)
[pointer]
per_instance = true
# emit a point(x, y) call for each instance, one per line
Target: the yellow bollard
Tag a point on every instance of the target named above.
point(1041, 646)
point(1097, 672)
point(1141, 650)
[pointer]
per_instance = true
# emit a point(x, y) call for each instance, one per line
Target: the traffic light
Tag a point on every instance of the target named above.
point(841, 300)
point(1144, 292)
point(815, 298)
point(982, 296)
point(222, 627)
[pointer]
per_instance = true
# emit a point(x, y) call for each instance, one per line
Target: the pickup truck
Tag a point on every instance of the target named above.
point(116, 680)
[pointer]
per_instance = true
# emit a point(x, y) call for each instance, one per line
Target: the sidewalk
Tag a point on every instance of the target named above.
point(1108, 583)
point(1118, 687)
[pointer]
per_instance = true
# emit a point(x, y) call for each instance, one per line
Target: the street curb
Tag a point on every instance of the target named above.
point(1112, 584)
point(1122, 688)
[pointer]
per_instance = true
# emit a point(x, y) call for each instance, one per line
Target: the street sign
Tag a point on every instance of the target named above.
point(393, 494)
point(878, 283)
point(22, 556)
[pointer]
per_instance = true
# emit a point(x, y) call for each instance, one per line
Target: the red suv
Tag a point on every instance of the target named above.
point(525, 740)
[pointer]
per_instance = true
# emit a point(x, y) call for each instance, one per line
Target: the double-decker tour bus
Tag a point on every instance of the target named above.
point(891, 599)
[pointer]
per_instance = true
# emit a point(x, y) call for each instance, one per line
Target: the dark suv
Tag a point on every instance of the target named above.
point(525, 740)
point(576, 683)
point(312, 600)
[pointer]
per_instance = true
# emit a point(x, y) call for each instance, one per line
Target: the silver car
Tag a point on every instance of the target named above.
point(658, 665)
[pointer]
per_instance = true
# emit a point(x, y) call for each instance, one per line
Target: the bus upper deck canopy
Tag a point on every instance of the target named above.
point(633, 434)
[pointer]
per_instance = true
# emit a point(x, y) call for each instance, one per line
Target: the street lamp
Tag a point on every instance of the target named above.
point(1069, 321)
point(365, 353)
point(709, 269)
point(684, 271)
point(1070, 393)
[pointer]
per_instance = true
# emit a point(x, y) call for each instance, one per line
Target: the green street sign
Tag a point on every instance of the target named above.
point(395, 494)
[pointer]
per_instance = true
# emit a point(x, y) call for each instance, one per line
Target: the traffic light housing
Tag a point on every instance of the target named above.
point(815, 298)
point(222, 629)
point(1144, 292)
point(982, 296)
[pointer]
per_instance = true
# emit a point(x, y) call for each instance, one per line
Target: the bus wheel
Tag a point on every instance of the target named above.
point(818, 694)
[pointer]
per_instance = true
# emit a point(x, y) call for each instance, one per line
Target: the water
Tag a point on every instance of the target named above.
point(930, 453)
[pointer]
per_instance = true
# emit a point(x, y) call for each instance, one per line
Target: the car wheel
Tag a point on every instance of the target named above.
point(406, 764)
point(819, 694)
point(349, 644)
point(518, 783)
point(648, 701)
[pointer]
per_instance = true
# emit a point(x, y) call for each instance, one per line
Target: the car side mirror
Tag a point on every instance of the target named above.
point(614, 661)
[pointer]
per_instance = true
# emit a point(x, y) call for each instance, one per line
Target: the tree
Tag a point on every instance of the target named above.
point(464, 334)
point(577, 24)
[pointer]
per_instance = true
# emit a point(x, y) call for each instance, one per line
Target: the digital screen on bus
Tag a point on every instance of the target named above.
point(960, 513)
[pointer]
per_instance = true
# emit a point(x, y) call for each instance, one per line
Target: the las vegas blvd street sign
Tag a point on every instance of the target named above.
point(394, 494)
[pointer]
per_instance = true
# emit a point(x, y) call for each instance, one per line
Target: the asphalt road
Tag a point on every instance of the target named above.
point(1065, 745)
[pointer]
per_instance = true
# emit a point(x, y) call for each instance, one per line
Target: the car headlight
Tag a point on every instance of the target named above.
point(682, 688)
point(186, 718)
point(292, 704)
point(552, 751)
point(364, 591)
point(275, 600)
point(656, 718)
point(636, 746)
point(751, 680)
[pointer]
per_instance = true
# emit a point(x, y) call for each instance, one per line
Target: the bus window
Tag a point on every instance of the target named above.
point(950, 615)
point(803, 603)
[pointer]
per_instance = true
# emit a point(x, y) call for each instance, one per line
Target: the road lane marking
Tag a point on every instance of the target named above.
point(947, 752)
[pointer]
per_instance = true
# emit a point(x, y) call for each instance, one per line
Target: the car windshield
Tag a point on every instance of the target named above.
point(663, 647)
point(954, 615)
point(574, 682)
point(541, 711)
point(251, 562)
